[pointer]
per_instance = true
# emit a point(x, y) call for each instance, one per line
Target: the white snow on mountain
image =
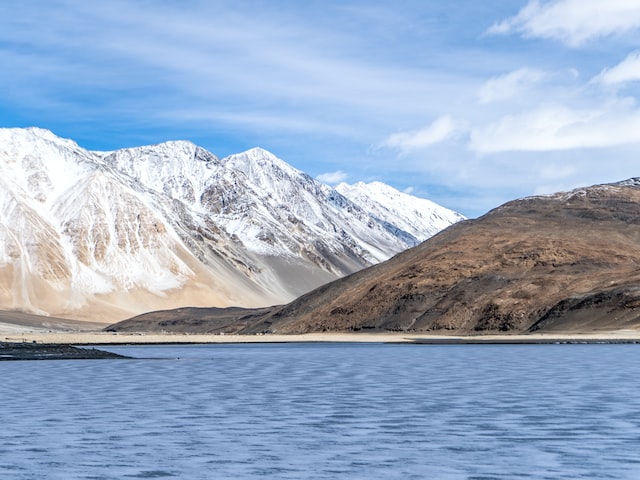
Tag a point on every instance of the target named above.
point(107, 235)
point(400, 212)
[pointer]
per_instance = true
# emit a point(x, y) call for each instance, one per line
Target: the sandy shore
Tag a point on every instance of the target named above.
point(21, 327)
point(104, 338)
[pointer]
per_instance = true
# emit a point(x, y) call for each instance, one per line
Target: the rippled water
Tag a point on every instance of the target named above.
point(326, 411)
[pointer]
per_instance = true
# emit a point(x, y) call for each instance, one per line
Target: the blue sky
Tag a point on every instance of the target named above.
point(467, 103)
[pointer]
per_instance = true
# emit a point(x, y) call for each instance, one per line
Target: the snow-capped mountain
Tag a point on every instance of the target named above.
point(399, 212)
point(106, 235)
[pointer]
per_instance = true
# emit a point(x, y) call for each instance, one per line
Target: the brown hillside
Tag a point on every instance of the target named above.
point(566, 262)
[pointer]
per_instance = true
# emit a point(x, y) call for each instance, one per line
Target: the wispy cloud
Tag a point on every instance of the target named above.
point(332, 178)
point(509, 85)
point(545, 128)
point(626, 71)
point(439, 130)
point(572, 22)
point(556, 127)
point(212, 57)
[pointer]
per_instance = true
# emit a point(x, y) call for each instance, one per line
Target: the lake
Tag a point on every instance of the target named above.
point(326, 411)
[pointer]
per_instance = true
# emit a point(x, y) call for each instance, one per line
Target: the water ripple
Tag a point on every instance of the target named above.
point(321, 411)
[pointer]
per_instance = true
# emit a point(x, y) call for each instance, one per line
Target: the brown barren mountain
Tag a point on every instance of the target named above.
point(565, 262)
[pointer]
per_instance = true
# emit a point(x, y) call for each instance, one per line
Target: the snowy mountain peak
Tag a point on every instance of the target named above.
point(35, 138)
point(258, 163)
point(271, 177)
point(379, 190)
point(259, 153)
point(419, 217)
point(37, 132)
point(106, 235)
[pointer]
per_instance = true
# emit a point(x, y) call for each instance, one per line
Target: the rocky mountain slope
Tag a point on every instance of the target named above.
point(106, 235)
point(565, 262)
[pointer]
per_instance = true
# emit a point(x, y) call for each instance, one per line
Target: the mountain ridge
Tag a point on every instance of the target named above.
point(562, 263)
point(168, 225)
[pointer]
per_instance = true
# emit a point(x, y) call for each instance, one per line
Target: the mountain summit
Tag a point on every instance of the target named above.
point(106, 235)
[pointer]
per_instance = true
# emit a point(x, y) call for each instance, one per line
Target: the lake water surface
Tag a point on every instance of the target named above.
point(326, 411)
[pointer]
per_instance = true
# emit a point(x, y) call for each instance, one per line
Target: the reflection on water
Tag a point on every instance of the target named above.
point(326, 411)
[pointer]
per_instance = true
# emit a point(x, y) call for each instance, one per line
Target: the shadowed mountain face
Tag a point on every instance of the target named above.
point(565, 262)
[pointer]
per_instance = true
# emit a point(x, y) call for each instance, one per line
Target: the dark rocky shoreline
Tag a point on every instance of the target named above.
point(42, 351)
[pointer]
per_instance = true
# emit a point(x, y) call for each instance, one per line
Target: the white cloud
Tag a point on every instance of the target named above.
point(409, 190)
point(555, 127)
point(332, 178)
point(537, 130)
point(573, 22)
point(438, 131)
point(626, 71)
point(509, 85)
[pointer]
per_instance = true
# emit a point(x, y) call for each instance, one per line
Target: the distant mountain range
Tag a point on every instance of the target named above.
point(568, 262)
point(107, 235)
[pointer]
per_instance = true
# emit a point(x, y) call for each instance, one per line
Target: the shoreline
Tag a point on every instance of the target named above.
point(111, 338)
